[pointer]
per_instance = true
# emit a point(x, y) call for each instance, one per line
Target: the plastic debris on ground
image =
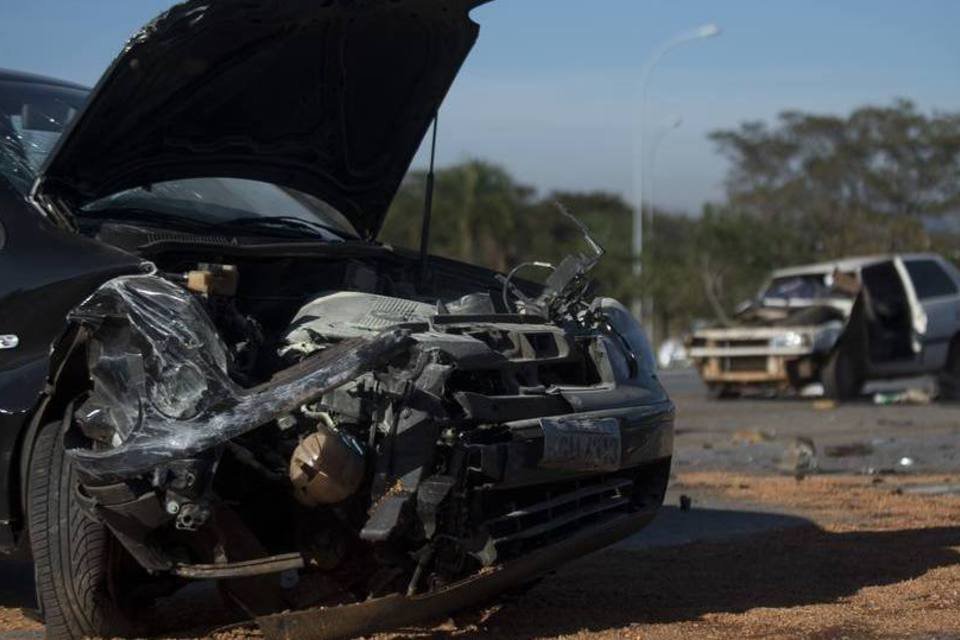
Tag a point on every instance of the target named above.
point(910, 396)
point(800, 458)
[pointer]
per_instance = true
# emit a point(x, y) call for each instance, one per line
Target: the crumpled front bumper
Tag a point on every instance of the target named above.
point(380, 614)
point(645, 436)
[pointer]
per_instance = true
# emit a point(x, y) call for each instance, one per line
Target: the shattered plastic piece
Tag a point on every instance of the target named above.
point(814, 390)
point(161, 386)
point(567, 287)
point(801, 458)
point(910, 396)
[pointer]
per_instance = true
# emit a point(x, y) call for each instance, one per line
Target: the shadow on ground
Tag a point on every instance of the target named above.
point(674, 527)
point(16, 584)
point(787, 568)
point(775, 561)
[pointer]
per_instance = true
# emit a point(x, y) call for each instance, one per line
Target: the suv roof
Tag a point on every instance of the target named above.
point(847, 264)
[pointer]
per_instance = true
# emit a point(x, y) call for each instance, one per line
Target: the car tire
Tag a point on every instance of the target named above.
point(949, 378)
point(76, 558)
point(841, 376)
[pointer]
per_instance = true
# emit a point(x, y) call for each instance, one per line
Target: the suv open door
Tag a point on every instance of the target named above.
point(884, 336)
point(895, 321)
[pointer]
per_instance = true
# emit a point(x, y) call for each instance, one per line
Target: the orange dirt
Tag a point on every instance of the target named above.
point(874, 562)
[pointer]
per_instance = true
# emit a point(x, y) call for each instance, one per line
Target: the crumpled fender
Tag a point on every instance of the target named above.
point(161, 389)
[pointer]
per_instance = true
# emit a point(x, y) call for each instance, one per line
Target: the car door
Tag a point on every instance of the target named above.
point(895, 323)
point(939, 295)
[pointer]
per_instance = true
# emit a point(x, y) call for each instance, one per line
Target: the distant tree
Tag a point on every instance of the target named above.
point(483, 216)
point(808, 188)
point(840, 185)
point(476, 211)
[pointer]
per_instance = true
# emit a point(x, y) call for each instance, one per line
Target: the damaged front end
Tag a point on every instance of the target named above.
point(399, 449)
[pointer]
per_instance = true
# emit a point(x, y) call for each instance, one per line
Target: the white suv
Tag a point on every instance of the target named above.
point(842, 323)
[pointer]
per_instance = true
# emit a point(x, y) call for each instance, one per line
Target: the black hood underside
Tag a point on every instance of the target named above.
point(330, 97)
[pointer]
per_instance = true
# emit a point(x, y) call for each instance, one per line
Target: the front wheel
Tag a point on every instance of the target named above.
point(77, 560)
point(949, 378)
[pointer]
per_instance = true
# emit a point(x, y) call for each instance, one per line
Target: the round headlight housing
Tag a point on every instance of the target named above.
point(790, 340)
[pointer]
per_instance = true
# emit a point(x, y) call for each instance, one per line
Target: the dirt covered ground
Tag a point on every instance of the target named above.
point(862, 547)
point(873, 561)
point(858, 558)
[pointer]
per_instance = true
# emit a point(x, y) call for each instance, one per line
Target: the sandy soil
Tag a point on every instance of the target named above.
point(874, 561)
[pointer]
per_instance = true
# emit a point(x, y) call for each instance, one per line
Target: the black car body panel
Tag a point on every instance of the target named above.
point(330, 98)
point(46, 272)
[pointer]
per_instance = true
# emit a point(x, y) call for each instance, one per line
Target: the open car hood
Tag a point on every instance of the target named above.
point(329, 97)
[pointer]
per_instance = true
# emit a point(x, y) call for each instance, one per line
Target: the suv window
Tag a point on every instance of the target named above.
point(930, 280)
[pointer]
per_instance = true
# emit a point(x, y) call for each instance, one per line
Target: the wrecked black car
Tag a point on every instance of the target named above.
point(211, 370)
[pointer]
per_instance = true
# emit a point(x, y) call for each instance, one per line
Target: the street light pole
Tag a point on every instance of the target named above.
point(700, 33)
point(674, 124)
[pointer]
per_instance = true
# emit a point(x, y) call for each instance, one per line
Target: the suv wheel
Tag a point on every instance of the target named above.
point(949, 378)
point(841, 376)
point(77, 560)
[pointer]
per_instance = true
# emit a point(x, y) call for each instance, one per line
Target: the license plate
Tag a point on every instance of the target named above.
point(581, 444)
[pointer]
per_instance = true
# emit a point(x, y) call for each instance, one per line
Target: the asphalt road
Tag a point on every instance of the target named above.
point(760, 435)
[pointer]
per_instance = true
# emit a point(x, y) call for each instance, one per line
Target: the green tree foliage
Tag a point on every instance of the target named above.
point(483, 216)
point(804, 189)
point(813, 187)
point(863, 183)
point(477, 208)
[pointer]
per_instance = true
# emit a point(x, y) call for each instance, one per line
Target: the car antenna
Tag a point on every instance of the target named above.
point(428, 205)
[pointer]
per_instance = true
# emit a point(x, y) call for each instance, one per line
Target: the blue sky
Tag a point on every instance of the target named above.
point(551, 88)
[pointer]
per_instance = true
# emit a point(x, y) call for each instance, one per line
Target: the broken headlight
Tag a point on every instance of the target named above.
point(791, 340)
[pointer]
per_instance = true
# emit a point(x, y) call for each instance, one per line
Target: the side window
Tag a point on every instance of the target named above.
point(930, 280)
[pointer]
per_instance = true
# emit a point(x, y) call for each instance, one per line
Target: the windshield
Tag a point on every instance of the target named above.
point(813, 286)
point(225, 203)
point(32, 117)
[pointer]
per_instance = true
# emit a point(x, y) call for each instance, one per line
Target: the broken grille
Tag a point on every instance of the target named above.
point(537, 515)
point(745, 364)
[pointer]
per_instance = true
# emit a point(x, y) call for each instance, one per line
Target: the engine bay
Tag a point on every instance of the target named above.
point(253, 415)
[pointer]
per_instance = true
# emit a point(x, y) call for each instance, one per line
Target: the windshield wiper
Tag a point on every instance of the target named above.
point(286, 226)
point(288, 223)
point(133, 214)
